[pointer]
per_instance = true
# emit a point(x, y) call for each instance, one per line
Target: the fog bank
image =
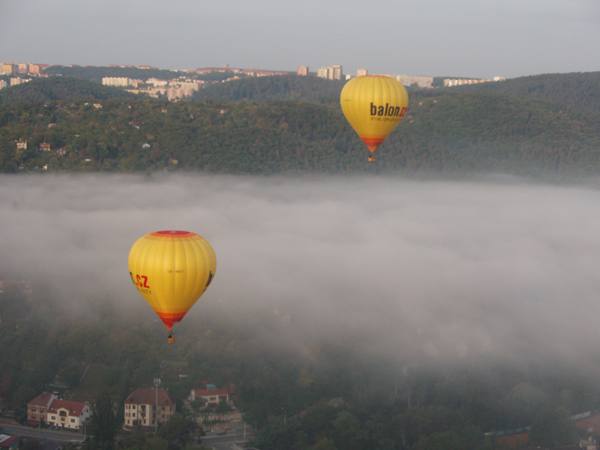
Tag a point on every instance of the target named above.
point(436, 269)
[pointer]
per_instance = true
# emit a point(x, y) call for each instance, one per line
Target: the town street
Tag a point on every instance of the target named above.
point(41, 433)
point(224, 441)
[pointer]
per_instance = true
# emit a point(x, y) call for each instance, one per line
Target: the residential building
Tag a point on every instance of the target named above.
point(182, 88)
point(452, 82)
point(588, 444)
point(37, 408)
point(336, 72)
point(322, 72)
point(302, 71)
point(333, 72)
point(22, 68)
point(588, 422)
point(45, 147)
point(34, 69)
point(21, 145)
point(68, 414)
point(415, 80)
point(211, 394)
point(509, 439)
point(9, 442)
point(156, 82)
point(3, 84)
point(147, 407)
point(15, 81)
point(362, 72)
point(6, 69)
point(115, 81)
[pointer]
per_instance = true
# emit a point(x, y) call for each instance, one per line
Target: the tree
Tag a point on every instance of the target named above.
point(324, 444)
point(448, 440)
point(177, 431)
point(347, 431)
point(552, 427)
point(103, 423)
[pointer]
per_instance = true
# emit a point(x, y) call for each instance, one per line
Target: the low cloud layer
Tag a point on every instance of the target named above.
point(435, 269)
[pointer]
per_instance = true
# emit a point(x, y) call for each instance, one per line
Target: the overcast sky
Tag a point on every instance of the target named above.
point(435, 37)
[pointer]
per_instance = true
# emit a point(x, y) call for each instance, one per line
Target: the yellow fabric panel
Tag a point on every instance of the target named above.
point(374, 105)
point(171, 271)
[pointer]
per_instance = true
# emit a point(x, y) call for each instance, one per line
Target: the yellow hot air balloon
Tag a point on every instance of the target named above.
point(171, 270)
point(374, 105)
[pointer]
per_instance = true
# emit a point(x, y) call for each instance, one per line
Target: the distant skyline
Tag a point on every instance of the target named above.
point(431, 37)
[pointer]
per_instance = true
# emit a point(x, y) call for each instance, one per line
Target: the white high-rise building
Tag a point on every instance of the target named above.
point(115, 81)
point(415, 80)
point(333, 72)
point(336, 72)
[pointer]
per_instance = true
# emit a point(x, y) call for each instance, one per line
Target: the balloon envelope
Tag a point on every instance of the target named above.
point(374, 105)
point(171, 270)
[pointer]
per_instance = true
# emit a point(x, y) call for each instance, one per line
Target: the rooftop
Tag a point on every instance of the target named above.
point(74, 408)
point(146, 396)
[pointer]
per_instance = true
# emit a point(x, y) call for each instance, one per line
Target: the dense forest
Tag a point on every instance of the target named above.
point(331, 396)
point(304, 89)
point(41, 91)
point(573, 91)
point(286, 124)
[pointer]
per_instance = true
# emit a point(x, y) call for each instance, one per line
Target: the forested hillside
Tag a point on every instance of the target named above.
point(41, 91)
point(305, 89)
point(445, 130)
point(572, 91)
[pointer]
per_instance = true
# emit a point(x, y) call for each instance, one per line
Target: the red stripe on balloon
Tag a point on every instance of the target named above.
point(169, 319)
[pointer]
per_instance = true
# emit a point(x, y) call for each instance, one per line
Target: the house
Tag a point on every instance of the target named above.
point(68, 414)
point(588, 421)
point(509, 439)
point(37, 408)
point(21, 145)
point(9, 442)
point(211, 394)
point(147, 407)
point(45, 147)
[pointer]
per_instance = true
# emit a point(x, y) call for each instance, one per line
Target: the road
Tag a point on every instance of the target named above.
point(223, 441)
point(42, 433)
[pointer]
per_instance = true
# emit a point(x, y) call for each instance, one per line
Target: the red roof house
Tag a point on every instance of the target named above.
point(68, 413)
point(211, 394)
point(37, 408)
point(147, 407)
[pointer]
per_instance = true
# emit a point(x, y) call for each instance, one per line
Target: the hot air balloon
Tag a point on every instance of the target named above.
point(374, 105)
point(171, 269)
